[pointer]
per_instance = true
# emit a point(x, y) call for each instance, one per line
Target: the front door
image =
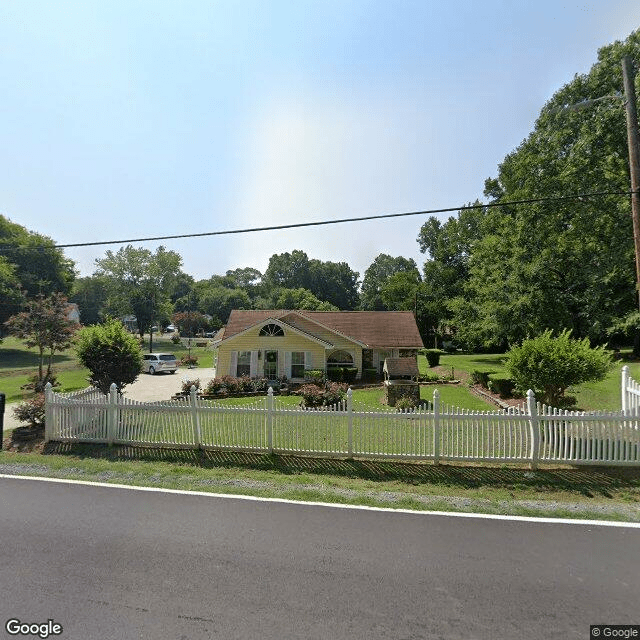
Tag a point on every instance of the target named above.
point(271, 365)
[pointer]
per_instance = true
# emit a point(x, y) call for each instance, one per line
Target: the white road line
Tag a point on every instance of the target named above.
point(228, 496)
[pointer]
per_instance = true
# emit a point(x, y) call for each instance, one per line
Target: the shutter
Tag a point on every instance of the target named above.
point(308, 360)
point(253, 364)
point(287, 364)
point(233, 366)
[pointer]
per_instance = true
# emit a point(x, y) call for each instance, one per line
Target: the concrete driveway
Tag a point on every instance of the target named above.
point(162, 386)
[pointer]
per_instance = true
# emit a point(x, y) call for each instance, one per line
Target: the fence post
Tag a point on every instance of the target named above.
point(436, 426)
point(350, 420)
point(195, 416)
point(270, 419)
point(48, 412)
point(532, 409)
point(112, 413)
point(625, 384)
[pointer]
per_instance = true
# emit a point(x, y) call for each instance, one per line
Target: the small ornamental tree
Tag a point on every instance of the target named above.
point(549, 365)
point(111, 354)
point(46, 327)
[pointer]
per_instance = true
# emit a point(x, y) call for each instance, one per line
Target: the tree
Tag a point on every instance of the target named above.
point(10, 292)
point(91, 295)
point(288, 270)
point(40, 268)
point(558, 264)
point(111, 354)
point(334, 282)
point(218, 301)
point(300, 298)
point(190, 323)
point(46, 327)
point(382, 268)
point(550, 365)
point(140, 282)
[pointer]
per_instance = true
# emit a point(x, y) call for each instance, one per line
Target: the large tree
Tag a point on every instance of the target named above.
point(40, 268)
point(141, 283)
point(289, 270)
point(91, 294)
point(559, 263)
point(335, 283)
point(375, 277)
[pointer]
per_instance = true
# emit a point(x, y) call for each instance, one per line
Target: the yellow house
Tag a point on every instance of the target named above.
point(276, 343)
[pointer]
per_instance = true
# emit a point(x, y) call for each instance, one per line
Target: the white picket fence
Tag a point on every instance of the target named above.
point(532, 433)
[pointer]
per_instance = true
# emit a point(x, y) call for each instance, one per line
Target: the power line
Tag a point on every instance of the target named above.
point(298, 225)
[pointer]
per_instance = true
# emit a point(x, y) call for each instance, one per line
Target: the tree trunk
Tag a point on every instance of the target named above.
point(636, 343)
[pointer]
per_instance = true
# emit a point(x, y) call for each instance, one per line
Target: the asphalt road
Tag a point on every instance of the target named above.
point(115, 563)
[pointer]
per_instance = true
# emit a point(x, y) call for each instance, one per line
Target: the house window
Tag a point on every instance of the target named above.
point(340, 359)
point(244, 363)
point(297, 364)
point(367, 358)
point(271, 330)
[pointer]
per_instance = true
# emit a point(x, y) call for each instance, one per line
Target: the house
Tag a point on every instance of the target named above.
point(73, 312)
point(275, 343)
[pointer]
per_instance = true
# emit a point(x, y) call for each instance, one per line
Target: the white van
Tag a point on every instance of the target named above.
point(158, 362)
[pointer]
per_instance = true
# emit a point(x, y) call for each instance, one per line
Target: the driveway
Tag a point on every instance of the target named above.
point(162, 386)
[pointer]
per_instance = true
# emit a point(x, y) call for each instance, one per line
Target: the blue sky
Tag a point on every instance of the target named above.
point(132, 119)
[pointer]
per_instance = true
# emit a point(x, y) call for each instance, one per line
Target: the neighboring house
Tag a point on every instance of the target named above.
point(73, 312)
point(275, 343)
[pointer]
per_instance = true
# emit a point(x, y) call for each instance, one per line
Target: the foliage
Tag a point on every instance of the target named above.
point(37, 384)
point(550, 365)
point(314, 375)
point(111, 354)
point(188, 361)
point(141, 283)
point(316, 396)
point(556, 264)
point(405, 403)
point(480, 377)
point(433, 356)
point(187, 384)
point(10, 293)
point(46, 327)
point(32, 411)
point(294, 299)
point(39, 267)
point(369, 375)
point(175, 339)
point(334, 283)
point(218, 301)
point(91, 295)
point(342, 374)
point(377, 274)
point(190, 323)
point(504, 387)
point(214, 386)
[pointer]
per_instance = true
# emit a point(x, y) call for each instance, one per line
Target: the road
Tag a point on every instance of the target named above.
point(106, 562)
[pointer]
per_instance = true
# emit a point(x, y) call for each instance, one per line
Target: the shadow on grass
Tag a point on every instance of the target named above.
point(23, 359)
point(588, 481)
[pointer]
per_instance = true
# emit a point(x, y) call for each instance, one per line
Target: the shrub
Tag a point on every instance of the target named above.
point(245, 384)
point(433, 356)
point(342, 374)
point(315, 396)
point(260, 385)
point(480, 377)
point(550, 365)
point(187, 384)
point(369, 375)
point(214, 386)
point(175, 338)
point(38, 384)
point(111, 354)
point(188, 361)
point(314, 375)
point(231, 384)
point(31, 411)
point(405, 402)
point(502, 386)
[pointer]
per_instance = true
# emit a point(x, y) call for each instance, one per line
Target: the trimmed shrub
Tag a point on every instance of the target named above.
point(550, 365)
point(315, 396)
point(504, 387)
point(231, 384)
point(369, 375)
point(260, 385)
point(480, 377)
point(433, 356)
point(404, 403)
point(214, 386)
point(188, 360)
point(314, 375)
point(175, 338)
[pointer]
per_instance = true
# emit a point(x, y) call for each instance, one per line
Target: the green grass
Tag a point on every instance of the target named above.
point(595, 493)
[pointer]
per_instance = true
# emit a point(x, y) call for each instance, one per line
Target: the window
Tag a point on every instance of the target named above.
point(297, 364)
point(244, 363)
point(271, 330)
point(340, 359)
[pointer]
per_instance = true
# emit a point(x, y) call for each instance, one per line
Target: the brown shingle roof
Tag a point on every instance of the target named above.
point(401, 366)
point(376, 329)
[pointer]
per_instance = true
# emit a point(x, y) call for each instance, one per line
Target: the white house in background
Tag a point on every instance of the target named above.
point(279, 342)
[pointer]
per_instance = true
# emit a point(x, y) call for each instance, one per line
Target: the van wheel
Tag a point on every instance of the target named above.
point(172, 371)
point(152, 371)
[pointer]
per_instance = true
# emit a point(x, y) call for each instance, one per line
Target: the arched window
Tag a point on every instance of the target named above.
point(271, 330)
point(340, 359)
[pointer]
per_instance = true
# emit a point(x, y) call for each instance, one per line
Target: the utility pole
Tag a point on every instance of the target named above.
point(633, 140)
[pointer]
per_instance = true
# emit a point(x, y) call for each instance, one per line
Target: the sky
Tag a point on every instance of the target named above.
point(125, 119)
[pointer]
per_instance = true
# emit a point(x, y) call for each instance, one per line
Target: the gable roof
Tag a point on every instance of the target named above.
point(374, 329)
point(401, 366)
